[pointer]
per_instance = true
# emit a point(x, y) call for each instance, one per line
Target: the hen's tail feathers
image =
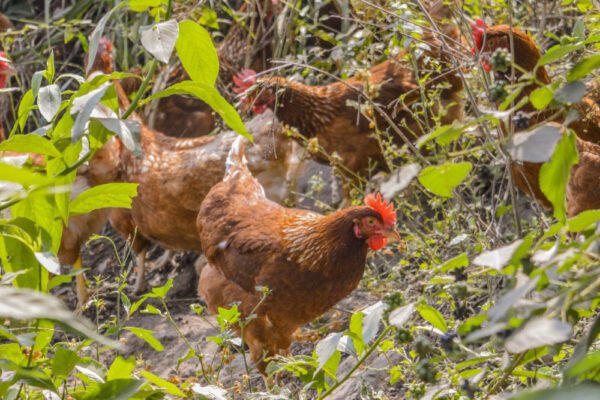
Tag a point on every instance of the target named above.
point(236, 159)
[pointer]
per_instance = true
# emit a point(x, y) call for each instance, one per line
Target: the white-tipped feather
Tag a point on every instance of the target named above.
point(236, 158)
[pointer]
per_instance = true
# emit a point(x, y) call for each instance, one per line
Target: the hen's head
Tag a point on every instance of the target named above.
point(254, 97)
point(6, 69)
point(377, 226)
point(103, 62)
point(489, 38)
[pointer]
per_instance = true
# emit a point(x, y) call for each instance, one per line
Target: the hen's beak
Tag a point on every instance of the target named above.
point(392, 236)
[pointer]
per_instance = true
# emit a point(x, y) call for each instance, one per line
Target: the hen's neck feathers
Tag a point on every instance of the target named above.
point(327, 243)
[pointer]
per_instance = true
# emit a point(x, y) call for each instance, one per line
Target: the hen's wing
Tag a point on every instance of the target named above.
point(240, 229)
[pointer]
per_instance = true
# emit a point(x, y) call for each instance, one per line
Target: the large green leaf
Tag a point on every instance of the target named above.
point(586, 391)
point(26, 304)
point(29, 144)
point(146, 335)
point(210, 96)
point(197, 53)
point(118, 389)
point(442, 179)
point(584, 67)
point(433, 316)
point(554, 175)
point(558, 51)
point(10, 173)
point(64, 361)
point(158, 381)
point(109, 195)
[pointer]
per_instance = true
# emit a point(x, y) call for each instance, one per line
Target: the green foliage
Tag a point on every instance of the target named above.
point(442, 179)
point(490, 297)
point(554, 175)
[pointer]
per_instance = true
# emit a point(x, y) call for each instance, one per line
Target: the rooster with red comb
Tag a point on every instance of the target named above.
point(308, 261)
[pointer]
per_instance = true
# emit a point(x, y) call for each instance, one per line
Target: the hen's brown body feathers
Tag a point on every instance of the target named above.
point(175, 174)
point(582, 189)
point(308, 262)
point(325, 111)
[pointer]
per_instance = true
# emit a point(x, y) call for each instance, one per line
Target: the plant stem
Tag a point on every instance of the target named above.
point(358, 363)
point(149, 75)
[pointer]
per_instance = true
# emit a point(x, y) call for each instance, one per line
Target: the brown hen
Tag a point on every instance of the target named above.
point(326, 112)
point(246, 44)
point(587, 126)
point(307, 261)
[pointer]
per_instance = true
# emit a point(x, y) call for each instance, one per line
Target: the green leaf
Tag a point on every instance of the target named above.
point(461, 260)
point(163, 290)
point(583, 68)
point(193, 41)
point(442, 179)
point(26, 304)
point(33, 377)
point(49, 72)
point(146, 336)
point(583, 220)
point(210, 96)
point(586, 391)
point(118, 389)
point(209, 18)
point(143, 5)
point(108, 195)
point(589, 363)
point(64, 361)
point(433, 316)
point(356, 325)
point(22, 176)
point(228, 316)
point(94, 39)
point(541, 97)
point(30, 144)
point(554, 175)
point(557, 52)
point(121, 368)
point(25, 107)
point(166, 385)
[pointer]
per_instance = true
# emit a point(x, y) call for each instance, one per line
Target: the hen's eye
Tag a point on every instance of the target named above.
point(370, 221)
point(491, 42)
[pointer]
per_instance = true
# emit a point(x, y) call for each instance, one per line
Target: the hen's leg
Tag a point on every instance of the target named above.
point(140, 280)
point(80, 286)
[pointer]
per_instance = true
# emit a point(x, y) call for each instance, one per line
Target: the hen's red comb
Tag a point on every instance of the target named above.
point(244, 80)
point(383, 207)
point(478, 31)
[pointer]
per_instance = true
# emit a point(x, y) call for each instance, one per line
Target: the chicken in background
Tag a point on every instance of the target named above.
point(308, 262)
point(246, 44)
point(324, 112)
point(585, 177)
point(175, 174)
